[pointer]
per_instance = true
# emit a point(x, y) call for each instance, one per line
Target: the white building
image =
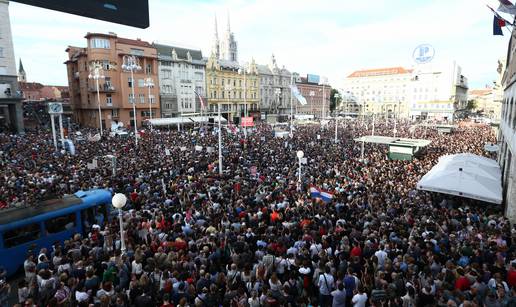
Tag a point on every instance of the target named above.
point(181, 76)
point(274, 88)
point(437, 90)
point(430, 91)
point(382, 91)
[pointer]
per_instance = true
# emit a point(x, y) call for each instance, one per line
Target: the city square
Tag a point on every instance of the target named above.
point(165, 175)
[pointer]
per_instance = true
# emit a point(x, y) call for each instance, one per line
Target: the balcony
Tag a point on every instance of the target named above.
point(103, 88)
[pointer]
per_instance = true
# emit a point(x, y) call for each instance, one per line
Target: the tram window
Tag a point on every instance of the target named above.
point(21, 235)
point(60, 223)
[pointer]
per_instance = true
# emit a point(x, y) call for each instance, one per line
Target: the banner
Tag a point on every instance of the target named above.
point(210, 149)
point(198, 148)
point(167, 152)
point(248, 121)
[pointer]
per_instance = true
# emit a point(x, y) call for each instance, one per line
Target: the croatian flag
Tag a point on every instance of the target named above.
point(326, 196)
point(201, 99)
point(314, 192)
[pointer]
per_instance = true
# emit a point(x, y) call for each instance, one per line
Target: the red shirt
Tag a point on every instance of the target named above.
point(462, 283)
point(356, 251)
point(511, 278)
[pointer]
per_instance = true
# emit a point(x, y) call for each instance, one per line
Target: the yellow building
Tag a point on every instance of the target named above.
point(228, 84)
point(232, 86)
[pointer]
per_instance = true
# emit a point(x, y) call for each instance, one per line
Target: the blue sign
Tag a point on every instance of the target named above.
point(423, 54)
point(312, 78)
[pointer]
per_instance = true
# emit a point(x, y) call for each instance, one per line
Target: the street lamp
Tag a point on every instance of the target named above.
point(118, 202)
point(149, 83)
point(300, 154)
point(96, 74)
point(131, 63)
point(337, 96)
point(243, 70)
point(312, 94)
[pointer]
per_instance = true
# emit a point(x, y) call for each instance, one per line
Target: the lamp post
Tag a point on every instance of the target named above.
point(96, 74)
point(243, 70)
point(300, 154)
point(113, 164)
point(130, 63)
point(372, 131)
point(337, 96)
point(312, 94)
point(118, 202)
point(149, 83)
point(220, 140)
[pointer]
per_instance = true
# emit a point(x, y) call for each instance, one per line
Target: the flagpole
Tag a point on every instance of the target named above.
point(291, 107)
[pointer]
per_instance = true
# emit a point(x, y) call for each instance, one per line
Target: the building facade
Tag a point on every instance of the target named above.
point(437, 91)
point(316, 95)
point(507, 134)
point(486, 102)
point(11, 113)
point(182, 80)
point(382, 91)
point(116, 99)
point(429, 91)
point(275, 90)
point(233, 86)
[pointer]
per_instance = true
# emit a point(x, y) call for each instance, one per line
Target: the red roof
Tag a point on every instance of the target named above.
point(135, 42)
point(480, 92)
point(30, 86)
point(380, 72)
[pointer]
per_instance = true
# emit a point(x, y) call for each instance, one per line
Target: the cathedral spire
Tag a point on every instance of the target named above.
point(22, 76)
point(216, 28)
point(229, 24)
point(216, 44)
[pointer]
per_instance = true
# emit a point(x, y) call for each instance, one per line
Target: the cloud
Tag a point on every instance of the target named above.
point(327, 37)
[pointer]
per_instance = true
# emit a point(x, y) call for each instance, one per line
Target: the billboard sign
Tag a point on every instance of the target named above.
point(313, 78)
point(130, 13)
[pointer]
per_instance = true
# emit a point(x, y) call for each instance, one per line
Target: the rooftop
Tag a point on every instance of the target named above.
point(380, 72)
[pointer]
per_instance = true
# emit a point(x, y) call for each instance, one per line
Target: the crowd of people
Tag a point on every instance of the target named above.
point(254, 236)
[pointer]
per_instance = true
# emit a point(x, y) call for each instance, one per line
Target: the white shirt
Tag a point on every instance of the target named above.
point(359, 300)
point(381, 255)
point(136, 267)
point(326, 284)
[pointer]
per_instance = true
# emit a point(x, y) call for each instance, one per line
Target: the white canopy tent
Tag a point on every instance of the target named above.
point(466, 175)
point(184, 120)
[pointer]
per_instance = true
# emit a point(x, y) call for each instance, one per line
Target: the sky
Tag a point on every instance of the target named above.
point(330, 38)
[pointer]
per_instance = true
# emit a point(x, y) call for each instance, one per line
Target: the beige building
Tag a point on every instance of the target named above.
point(383, 91)
point(116, 99)
point(486, 103)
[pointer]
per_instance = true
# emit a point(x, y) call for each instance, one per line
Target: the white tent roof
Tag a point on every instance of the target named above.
point(465, 175)
point(183, 120)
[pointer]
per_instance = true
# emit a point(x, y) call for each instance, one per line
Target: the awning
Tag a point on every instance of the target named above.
point(466, 175)
point(184, 120)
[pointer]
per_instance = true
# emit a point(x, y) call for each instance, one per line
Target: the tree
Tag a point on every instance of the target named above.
point(472, 105)
point(334, 99)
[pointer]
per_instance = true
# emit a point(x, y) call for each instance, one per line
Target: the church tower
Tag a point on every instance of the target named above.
point(7, 61)
point(22, 76)
point(216, 43)
point(229, 48)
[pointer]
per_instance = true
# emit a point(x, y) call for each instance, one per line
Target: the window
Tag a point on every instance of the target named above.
point(101, 43)
point(107, 81)
point(142, 98)
point(106, 65)
point(152, 99)
point(141, 82)
point(21, 235)
point(131, 98)
point(60, 223)
point(114, 113)
point(130, 82)
point(109, 100)
point(148, 69)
